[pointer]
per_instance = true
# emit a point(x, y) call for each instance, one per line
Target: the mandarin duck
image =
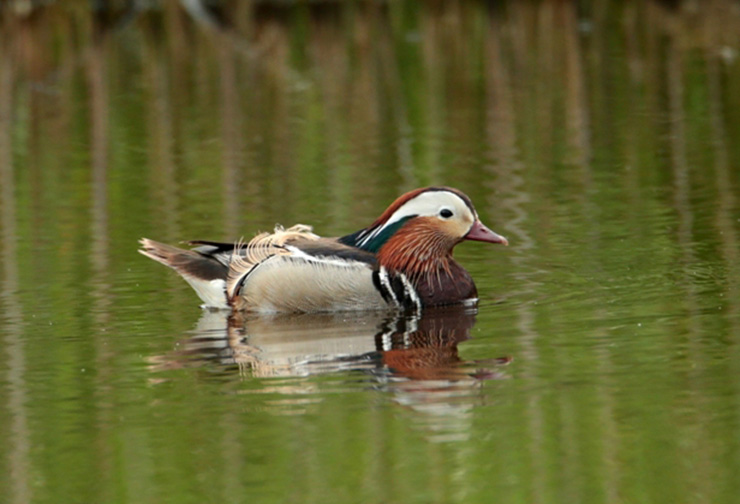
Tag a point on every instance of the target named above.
point(402, 261)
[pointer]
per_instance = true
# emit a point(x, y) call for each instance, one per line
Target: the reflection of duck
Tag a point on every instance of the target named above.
point(418, 347)
point(427, 348)
point(403, 260)
point(414, 359)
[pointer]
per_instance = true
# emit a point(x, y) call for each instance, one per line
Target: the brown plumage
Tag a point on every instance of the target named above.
point(423, 252)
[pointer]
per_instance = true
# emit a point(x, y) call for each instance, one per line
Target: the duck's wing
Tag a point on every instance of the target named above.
point(295, 270)
point(289, 270)
point(218, 251)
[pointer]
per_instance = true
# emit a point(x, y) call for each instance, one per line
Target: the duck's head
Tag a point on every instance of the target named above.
point(431, 220)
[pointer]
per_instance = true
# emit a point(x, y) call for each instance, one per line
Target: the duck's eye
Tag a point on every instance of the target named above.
point(445, 213)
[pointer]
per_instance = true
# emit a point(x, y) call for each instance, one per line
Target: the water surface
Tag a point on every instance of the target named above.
point(600, 366)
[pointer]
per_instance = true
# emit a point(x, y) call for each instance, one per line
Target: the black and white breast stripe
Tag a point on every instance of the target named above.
point(396, 289)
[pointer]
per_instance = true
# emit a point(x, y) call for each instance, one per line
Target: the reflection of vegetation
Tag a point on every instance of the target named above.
point(602, 137)
point(585, 86)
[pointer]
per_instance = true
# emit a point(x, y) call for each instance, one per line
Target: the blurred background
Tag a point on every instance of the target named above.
point(600, 137)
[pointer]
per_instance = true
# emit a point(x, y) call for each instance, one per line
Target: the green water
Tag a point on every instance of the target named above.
point(602, 365)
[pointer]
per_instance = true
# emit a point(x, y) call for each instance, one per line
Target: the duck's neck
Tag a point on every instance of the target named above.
point(424, 256)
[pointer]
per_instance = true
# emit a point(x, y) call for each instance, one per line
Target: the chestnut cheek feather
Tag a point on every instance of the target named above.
point(417, 249)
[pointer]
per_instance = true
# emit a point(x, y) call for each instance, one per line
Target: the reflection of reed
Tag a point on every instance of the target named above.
point(576, 99)
point(165, 95)
point(579, 112)
point(726, 190)
point(99, 131)
point(509, 171)
point(725, 187)
point(99, 144)
point(161, 134)
point(685, 238)
point(726, 210)
point(231, 129)
point(14, 347)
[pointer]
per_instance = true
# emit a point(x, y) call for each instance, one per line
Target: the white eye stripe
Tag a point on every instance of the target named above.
point(426, 204)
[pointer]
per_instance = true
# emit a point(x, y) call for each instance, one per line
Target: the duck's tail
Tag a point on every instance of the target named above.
point(205, 268)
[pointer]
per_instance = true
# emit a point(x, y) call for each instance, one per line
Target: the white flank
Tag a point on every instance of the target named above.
point(298, 282)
